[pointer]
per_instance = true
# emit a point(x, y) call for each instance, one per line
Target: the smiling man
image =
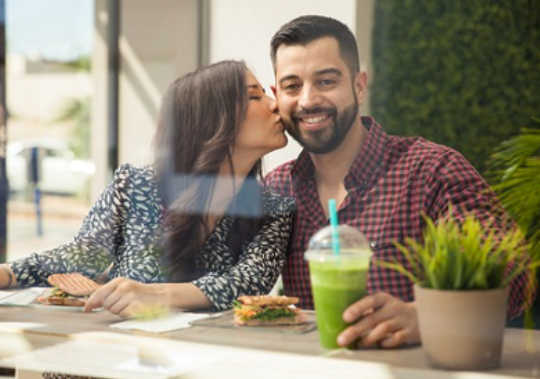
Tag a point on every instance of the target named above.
point(382, 184)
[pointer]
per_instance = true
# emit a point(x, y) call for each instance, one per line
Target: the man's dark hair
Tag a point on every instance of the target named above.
point(306, 29)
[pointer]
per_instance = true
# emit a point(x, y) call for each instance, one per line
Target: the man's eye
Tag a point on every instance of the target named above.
point(327, 82)
point(291, 87)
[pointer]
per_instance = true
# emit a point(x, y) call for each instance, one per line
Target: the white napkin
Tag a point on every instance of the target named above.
point(168, 323)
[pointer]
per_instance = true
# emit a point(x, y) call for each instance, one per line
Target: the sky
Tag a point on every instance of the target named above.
point(52, 29)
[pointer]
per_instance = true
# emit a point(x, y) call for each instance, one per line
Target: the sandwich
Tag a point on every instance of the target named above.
point(267, 310)
point(70, 290)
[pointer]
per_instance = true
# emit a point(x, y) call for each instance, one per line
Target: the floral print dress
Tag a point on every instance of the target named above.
point(121, 229)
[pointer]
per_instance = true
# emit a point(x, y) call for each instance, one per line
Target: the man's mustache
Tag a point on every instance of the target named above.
point(307, 112)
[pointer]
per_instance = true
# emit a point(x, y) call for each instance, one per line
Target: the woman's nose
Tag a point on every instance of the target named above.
point(272, 105)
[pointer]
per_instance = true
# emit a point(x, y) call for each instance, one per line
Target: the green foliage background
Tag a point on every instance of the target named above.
point(464, 73)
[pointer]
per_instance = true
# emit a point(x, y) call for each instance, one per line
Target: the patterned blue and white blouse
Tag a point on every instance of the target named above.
point(121, 229)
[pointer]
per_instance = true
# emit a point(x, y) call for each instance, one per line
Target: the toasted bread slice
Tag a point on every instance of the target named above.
point(65, 301)
point(268, 300)
point(298, 319)
point(73, 284)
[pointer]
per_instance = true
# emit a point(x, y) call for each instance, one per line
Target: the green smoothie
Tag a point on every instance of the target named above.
point(336, 284)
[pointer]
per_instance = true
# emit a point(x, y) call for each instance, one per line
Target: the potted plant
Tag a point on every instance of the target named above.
point(461, 272)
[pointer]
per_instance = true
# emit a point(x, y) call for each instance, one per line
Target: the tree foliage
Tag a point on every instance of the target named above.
point(461, 73)
point(77, 111)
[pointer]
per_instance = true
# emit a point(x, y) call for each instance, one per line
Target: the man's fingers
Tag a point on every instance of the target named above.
point(380, 320)
point(366, 304)
point(356, 310)
point(352, 333)
point(398, 339)
point(379, 333)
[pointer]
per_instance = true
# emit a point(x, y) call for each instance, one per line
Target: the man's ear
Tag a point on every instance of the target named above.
point(360, 86)
point(274, 91)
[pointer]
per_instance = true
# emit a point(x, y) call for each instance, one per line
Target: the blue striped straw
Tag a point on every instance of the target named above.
point(332, 210)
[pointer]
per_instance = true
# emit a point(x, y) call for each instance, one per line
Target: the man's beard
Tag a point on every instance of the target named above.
point(326, 140)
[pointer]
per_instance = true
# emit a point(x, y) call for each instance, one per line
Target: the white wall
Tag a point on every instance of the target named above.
point(158, 43)
point(242, 29)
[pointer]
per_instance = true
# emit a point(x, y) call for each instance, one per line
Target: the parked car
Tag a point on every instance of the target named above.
point(60, 171)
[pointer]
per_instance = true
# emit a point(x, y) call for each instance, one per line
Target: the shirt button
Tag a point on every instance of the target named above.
point(373, 244)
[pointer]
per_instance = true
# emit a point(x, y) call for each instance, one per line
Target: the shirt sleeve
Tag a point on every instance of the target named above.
point(258, 268)
point(92, 249)
point(454, 181)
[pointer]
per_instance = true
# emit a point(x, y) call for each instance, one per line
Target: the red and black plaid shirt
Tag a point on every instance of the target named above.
point(390, 184)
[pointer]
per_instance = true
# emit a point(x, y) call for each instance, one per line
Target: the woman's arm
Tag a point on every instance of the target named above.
point(260, 262)
point(256, 272)
point(91, 250)
point(128, 298)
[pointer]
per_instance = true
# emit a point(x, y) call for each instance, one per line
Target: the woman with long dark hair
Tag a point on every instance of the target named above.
point(196, 229)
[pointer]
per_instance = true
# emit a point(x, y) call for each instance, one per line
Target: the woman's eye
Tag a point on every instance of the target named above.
point(255, 97)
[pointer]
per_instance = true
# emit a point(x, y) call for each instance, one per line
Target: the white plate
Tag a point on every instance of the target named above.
point(27, 298)
point(61, 307)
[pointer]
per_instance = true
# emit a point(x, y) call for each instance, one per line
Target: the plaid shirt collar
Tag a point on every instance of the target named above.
point(363, 167)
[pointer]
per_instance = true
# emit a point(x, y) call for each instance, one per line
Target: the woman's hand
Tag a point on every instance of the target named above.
point(7, 278)
point(128, 298)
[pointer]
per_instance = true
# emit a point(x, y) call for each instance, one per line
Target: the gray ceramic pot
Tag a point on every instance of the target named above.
point(462, 330)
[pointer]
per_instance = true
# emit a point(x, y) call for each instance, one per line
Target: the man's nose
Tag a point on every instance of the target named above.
point(309, 97)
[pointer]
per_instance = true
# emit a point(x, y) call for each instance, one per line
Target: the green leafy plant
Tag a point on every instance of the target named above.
point(462, 255)
point(514, 172)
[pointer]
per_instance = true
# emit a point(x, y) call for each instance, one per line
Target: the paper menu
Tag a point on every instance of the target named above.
point(175, 321)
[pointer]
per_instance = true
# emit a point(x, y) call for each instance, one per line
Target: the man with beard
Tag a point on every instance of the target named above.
point(382, 184)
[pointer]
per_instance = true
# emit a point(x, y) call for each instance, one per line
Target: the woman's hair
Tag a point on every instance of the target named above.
point(200, 118)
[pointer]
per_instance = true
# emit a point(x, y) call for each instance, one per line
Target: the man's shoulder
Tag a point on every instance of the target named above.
point(421, 149)
point(434, 161)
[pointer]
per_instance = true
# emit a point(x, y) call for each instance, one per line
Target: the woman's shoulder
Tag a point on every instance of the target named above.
point(275, 203)
point(135, 180)
point(130, 172)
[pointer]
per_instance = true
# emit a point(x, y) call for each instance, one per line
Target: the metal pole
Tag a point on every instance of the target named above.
point(35, 179)
point(113, 35)
point(4, 188)
point(203, 15)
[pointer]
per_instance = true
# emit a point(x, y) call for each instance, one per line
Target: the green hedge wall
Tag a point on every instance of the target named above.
point(464, 73)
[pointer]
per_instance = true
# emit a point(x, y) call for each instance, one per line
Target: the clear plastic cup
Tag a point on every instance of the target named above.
point(337, 279)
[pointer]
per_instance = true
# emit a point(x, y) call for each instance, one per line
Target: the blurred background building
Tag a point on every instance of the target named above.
point(83, 81)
